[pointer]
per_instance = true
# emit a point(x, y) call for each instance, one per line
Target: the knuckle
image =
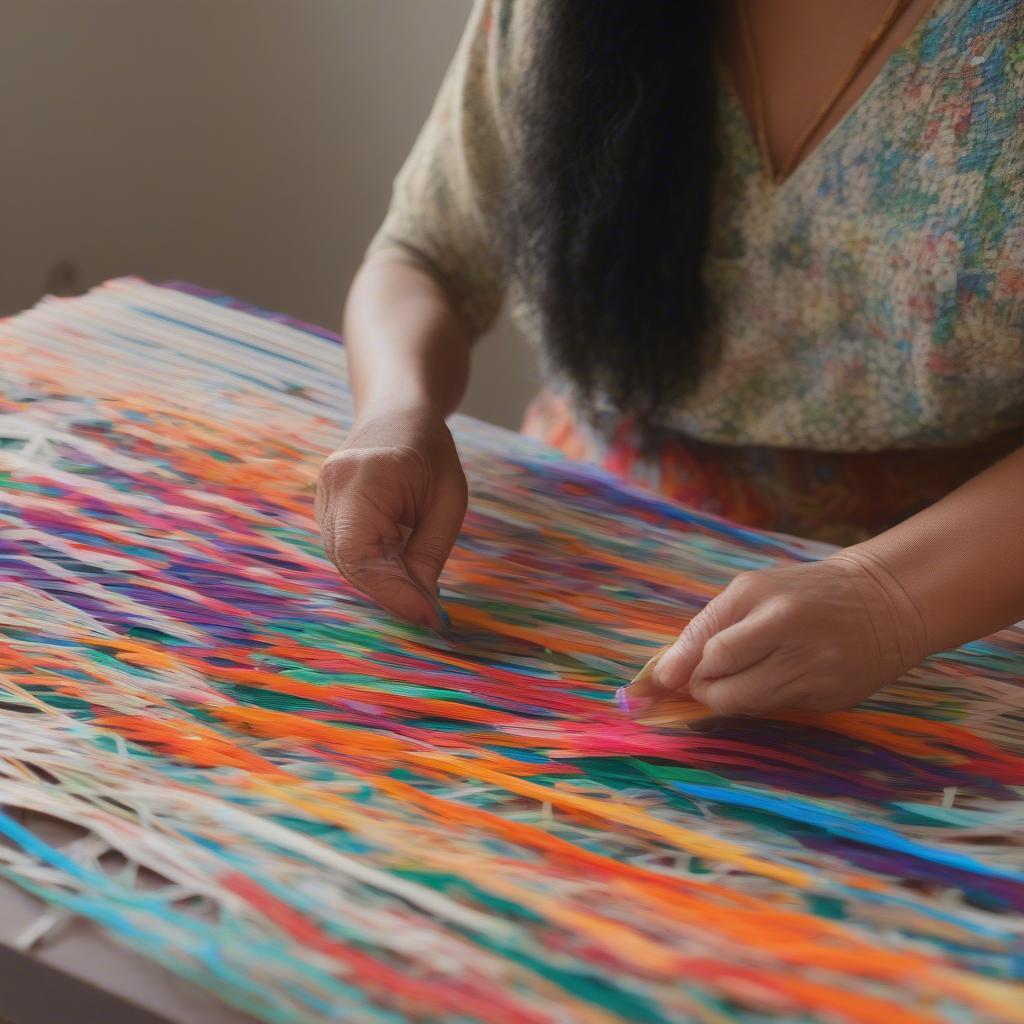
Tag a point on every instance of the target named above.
point(786, 605)
point(407, 458)
point(743, 585)
point(430, 558)
point(349, 463)
point(343, 544)
point(338, 465)
point(333, 521)
point(431, 545)
point(699, 689)
point(703, 625)
point(719, 656)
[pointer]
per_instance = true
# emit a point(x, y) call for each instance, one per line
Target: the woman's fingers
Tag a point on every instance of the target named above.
point(671, 669)
point(434, 536)
point(739, 672)
point(738, 647)
point(368, 553)
point(761, 690)
point(675, 667)
point(360, 505)
point(817, 636)
point(640, 693)
point(682, 657)
point(390, 586)
point(389, 504)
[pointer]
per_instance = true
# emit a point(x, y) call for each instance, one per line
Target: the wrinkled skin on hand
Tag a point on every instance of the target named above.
point(390, 502)
point(819, 636)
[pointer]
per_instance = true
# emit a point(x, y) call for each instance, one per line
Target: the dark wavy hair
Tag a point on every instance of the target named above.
point(609, 192)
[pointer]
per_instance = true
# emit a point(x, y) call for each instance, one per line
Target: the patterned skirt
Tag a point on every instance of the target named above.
point(837, 497)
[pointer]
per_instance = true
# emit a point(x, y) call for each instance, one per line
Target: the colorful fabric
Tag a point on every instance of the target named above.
point(356, 820)
point(874, 300)
point(837, 497)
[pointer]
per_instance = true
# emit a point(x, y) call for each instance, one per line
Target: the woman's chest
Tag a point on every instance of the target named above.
point(911, 207)
point(798, 69)
point(876, 296)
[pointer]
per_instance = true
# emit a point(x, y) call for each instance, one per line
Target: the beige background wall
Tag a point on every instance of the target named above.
point(246, 145)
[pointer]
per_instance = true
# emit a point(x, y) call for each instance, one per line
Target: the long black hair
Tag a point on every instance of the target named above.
point(609, 192)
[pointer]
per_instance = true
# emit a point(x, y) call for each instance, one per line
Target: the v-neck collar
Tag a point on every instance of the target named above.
point(884, 73)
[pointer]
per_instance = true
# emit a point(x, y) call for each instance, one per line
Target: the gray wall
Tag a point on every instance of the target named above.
point(246, 145)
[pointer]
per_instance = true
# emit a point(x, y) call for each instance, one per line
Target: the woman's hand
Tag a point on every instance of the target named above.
point(389, 505)
point(818, 636)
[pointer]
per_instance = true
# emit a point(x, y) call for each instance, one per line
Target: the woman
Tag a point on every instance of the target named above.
point(773, 257)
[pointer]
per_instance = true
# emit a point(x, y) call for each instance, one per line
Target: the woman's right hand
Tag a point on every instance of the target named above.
point(390, 502)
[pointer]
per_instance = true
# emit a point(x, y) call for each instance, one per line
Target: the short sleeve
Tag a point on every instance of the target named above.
point(445, 205)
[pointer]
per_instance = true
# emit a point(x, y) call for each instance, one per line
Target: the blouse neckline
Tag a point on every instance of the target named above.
point(749, 141)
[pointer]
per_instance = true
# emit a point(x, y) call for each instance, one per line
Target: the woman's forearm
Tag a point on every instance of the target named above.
point(406, 346)
point(961, 561)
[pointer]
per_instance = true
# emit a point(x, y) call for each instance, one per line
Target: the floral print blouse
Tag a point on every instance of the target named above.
point(872, 300)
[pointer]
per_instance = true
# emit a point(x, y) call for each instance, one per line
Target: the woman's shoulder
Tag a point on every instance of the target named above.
point(495, 42)
point(508, 26)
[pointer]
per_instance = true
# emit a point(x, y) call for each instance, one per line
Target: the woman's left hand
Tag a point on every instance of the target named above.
point(818, 636)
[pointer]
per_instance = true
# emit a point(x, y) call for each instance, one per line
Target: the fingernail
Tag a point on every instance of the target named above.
point(630, 705)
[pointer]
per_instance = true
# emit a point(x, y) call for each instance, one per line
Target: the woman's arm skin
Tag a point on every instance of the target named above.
point(391, 499)
point(404, 342)
point(825, 635)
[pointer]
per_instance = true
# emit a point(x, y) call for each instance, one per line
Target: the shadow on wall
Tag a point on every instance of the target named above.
point(246, 145)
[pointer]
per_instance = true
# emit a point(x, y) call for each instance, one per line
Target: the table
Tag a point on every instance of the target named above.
point(325, 814)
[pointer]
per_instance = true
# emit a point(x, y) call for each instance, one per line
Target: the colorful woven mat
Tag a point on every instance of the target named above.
point(322, 814)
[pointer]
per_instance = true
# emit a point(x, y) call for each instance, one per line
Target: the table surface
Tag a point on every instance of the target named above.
point(854, 866)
